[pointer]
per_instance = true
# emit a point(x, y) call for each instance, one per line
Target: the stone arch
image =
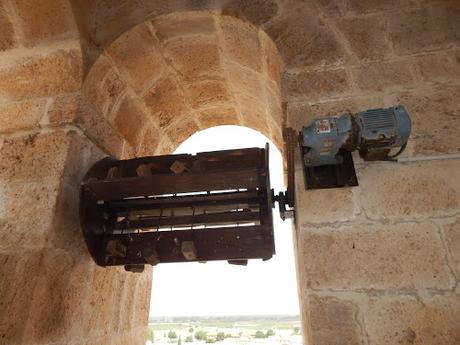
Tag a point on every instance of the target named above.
point(165, 79)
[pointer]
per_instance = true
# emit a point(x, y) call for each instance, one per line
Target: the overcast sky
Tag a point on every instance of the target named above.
point(217, 288)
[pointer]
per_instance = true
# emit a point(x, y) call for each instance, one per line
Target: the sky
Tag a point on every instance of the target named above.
point(218, 288)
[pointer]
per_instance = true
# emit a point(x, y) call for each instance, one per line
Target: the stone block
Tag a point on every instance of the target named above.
point(369, 6)
point(315, 85)
point(98, 128)
point(434, 113)
point(181, 130)
point(441, 67)
point(374, 256)
point(130, 119)
point(333, 321)
point(274, 106)
point(245, 80)
point(166, 101)
point(194, 57)
point(208, 93)
point(366, 37)
point(187, 23)
point(241, 42)
point(452, 241)
point(137, 57)
point(27, 213)
point(218, 116)
point(41, 76)
point(410, 191)
point(149, 142)
point(45, 20)
point(7, 35)
point(112, 90)
point(406, 319)
point(22, 115)
point(254, 113)
point(324, 206)
point(303, 39)
point(272, 61)
point(424, 29)
point(64, 109)
point(256, 12)
point(18, 274)
point(95, 79)
point(33, 157)
point(60, 300)
point(384, 76)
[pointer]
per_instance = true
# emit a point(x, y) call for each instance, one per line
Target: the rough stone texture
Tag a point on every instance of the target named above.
point(333, 322)
point(375, 256)
point(7, 34)
point(452, 240)
point(46, 72)
point(413, 191)
point(22, 115)
point(192, 23)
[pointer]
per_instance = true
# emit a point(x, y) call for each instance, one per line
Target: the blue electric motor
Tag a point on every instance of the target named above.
point(374, 133)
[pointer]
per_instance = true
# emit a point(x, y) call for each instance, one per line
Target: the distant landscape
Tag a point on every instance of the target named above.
point(225, 330)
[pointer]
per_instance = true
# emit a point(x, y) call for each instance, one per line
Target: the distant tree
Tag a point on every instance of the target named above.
point(189, 339)
point(296, 331)
point(179, 341)
point(150, 334)
point(172, 335)
point(220, 336)
point(210, 341)
point(228, 335)
point(270, 333)
point(190, 330)
point(260, 335)
point(201, 334)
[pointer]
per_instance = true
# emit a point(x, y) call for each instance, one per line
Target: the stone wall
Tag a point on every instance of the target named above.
point(378, 264)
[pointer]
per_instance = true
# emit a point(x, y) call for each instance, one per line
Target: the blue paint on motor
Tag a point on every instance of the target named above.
point(374, 133)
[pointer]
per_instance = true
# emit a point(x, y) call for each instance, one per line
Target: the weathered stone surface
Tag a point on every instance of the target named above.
point(424, 29)
point(326, 205)
point(149, 142)
point(438, 67)
point(45, 20)
point(18, 274)
point(409, 319)
point(410, 190)
point(333, 321)
point(241, 41)
point(33, 157)
point(181, 131)
point(56, 73)
point(208, 93)
point(452, 241)
point(254, 113)
point(98, 128)
point(368, 6)
point(272, 61)
point(60, 297)
point(434, 113)
point(137, 57)
point(257, 11)
point(130, 120)
point(7, 35)
point(188, 23)
point(218, 116)
point(375, 256)
point(366, 37)
point(165, 101)
point(384, 76)
point(64, 109)
point(194, 57)
point(244, 80)
point(304, 40)
point(315, 85)
point(26, 226)
point(22, 115)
